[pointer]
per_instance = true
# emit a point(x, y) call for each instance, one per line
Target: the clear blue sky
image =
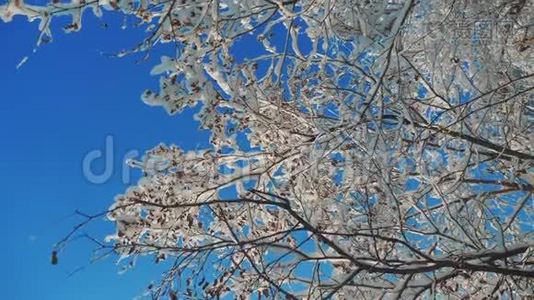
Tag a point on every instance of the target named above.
point(60, 105)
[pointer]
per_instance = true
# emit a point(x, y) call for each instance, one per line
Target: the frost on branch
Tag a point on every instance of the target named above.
point(364, 149)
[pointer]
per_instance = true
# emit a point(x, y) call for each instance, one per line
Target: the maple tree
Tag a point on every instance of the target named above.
point(367, 149)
